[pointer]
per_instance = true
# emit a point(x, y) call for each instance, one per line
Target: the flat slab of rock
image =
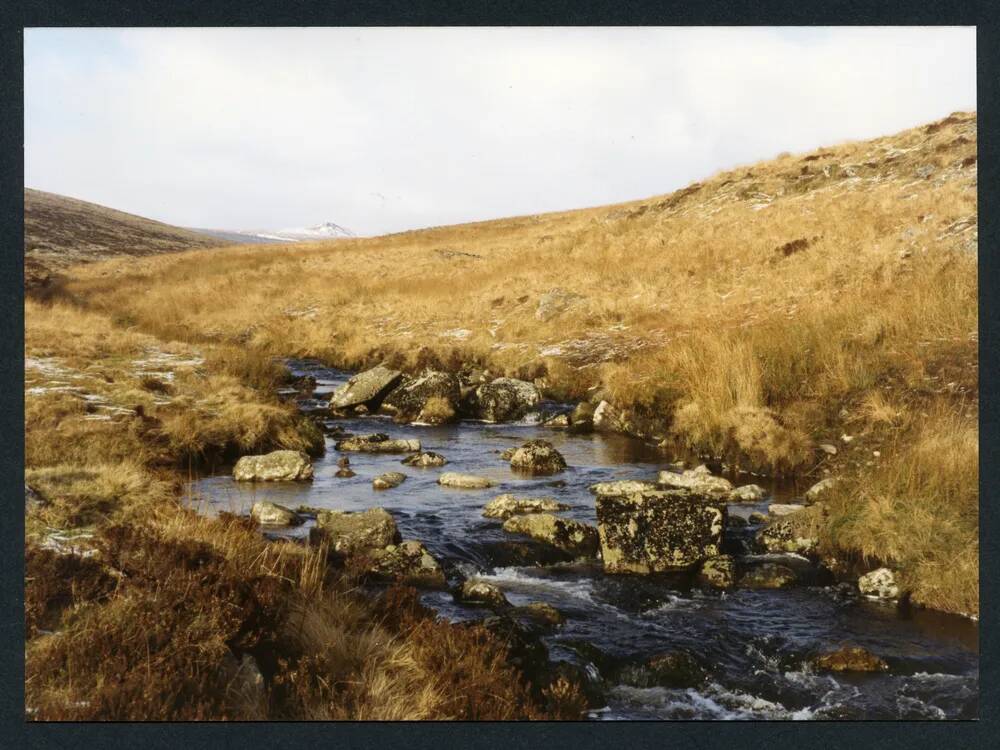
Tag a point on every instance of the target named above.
point(271, 514)
point(377, 443)
point(505, 400)
point(537, 457)
point(506, 506)
point(573, 537)
point(408, 562)
point(388, 480)
point(366, 388)
point(700, 481)
point(350, 533)
point(425, 459)
point(277, 466)
point(658, 531)
point(464, 481)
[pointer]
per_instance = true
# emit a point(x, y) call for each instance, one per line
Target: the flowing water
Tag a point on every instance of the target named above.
point(756, 644)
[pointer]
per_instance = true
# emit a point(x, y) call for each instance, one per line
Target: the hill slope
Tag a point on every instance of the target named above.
point(61, 231)
point(812, 315)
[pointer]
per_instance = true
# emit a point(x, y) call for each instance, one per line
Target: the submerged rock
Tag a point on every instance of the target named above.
point(431, 398)
point(768, 576)
point(879, 584)
point(573, 537)
point(508, 505)
point(272, 514)
point(349, 533)
point(505, 400)
point(480, 592)
point(425, 459)
point(464, 481)
point(409, 563)
point(388, 480)
point(377, 443)
point(277, 466)
point(540, 613)
point(850, 659)
point(366, 388)
point(673, 669)
point(700, 481)
point(719, 572)
point(537, 457)
point(655, 531)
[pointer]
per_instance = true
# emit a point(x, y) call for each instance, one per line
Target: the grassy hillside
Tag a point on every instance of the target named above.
point(822, 298)
point(60, 232)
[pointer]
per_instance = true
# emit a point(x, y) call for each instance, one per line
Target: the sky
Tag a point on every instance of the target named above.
point(382, 130)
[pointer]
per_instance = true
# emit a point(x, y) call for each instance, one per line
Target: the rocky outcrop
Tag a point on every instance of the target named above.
point(408, 563)
point(425, 459)
point(879, 584)
point(388, 480)
point(272, 514)
point(537, 457)
point(506, 506)
point(850, 659)
point(555, 302)
point(575, 538)
point(366, 388)
point(718, 572)
point(504, 400)
point(350, 533)
point(431, 398)
point(377, 443)
point(480, 592)
point(464, 481)
point(277, 466)
point(655, 531)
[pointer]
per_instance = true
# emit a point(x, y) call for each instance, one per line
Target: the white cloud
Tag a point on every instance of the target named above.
point(386, 129)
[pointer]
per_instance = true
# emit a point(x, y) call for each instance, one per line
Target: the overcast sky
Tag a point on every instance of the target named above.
point(388, 129)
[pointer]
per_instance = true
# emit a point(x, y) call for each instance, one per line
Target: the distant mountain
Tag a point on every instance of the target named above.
point(60, 231)
point(326, 231)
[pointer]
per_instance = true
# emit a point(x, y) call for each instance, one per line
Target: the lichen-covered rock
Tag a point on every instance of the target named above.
point(432, 398)
point(537, 457)
point(425, 459)
point(850, 659)
point(816, 491)
point(350, 533)
point(409, 563)
point(464, 481)
point(623, 487)
point(880, 584)
point(606, 418)
point(573, 537)
point(377, 443)
point(581, 419)
point(655, 531)
point(781, 536)
point(719, 572)
point(277, 466)
point(388, 480)
point(699, 481)
point(366, 388)
point(748, 493)
point(757, 517)
point(541, 613)
point(768, 576)
point(506, 506)
point(480, 592)
point(673, 669)
point(272, 514)
point(505, 400)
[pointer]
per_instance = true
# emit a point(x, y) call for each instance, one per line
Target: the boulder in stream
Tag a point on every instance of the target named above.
point(505, 400)
point(388, 480)
point(277, 466)
point(850, 659)
point(425, 459)
point(377, 443)
point(408, 562)
point(718, 572)
point(505, 506)
point(879, 584)
point(575, 538)
point(475, 591)
point(700, 481)
point(464, 481)
point(537, 457)
point(748, 493)
point(271, 514)
point(657, 531)
point(353, 532)
point(431, 398)
point(768, 576)
point(366, 388)
point(780, 536)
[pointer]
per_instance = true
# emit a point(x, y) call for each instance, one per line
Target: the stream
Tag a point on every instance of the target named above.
point(755, 644)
